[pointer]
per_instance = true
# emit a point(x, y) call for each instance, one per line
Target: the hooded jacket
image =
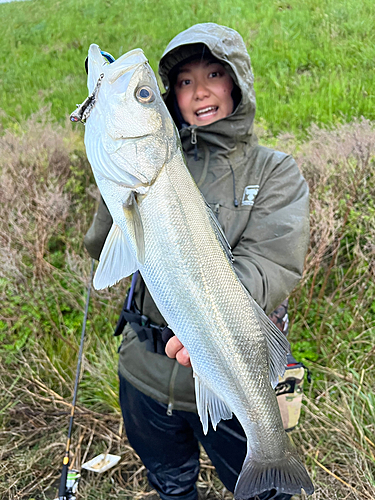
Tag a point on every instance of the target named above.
point(258, 195)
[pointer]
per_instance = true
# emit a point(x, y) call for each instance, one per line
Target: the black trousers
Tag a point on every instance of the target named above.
point(168, 445)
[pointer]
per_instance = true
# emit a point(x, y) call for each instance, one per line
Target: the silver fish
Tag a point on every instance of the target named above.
point(163, 227)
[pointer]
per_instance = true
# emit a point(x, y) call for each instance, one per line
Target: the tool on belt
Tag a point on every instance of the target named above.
point(289, 392)
point(155, 336)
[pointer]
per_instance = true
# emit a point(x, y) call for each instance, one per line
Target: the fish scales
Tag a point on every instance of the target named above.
point(208, 303)
point(162, 226)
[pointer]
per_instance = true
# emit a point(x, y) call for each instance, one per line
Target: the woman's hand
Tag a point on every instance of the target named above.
point(174, 349)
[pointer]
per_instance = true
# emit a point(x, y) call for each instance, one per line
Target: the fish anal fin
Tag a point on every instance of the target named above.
point(209, 403)
point(116, 260)
point(286, 475)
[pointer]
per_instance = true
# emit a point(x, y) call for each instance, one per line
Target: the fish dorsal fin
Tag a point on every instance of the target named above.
point(125, 63)
point(116, 260)
point(277, 343)
point(219, 233)
point(208, 402)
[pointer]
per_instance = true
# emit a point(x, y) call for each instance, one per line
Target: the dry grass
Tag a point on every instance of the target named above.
point(33, 440)
point(334, 309)
point(46, 202)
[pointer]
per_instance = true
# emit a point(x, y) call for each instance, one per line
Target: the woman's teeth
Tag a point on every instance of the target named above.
point(209, 109)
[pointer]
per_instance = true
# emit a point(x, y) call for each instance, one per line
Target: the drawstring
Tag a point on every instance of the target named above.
point(171, 389)
point(235, 201)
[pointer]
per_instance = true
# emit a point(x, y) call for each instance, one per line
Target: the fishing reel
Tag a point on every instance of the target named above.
point(71, 487)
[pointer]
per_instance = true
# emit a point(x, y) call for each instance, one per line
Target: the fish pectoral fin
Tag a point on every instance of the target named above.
point(277, 343)
point(133, 217)
point(116, 260)
point(208, 402)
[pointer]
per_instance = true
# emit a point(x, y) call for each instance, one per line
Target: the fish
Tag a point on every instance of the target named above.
point(163, 227)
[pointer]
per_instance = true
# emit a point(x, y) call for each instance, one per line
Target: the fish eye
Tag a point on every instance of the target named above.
point(145, 94)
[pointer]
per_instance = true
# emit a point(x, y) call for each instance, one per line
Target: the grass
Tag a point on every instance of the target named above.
point(44, 184)
point(313, 63)
point(314, 58)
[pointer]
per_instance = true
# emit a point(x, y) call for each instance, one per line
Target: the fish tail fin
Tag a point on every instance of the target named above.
point(287, 475)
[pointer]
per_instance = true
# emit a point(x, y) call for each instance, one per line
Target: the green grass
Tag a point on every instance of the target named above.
point(313, 60)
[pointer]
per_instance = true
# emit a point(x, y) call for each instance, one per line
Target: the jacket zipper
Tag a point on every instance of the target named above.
point(194, 141)
point(171, 389)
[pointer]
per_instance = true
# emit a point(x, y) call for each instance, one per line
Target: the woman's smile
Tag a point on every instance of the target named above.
point(203, 91)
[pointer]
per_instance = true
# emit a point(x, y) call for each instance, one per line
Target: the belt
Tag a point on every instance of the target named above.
point(155, 336)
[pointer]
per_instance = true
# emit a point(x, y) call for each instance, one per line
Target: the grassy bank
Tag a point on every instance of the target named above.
point(313, 61)
point(47, 198)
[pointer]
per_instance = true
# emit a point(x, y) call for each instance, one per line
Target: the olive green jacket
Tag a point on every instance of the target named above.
point(257, 194)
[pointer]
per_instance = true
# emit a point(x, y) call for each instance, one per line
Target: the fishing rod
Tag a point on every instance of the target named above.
point(69, 481)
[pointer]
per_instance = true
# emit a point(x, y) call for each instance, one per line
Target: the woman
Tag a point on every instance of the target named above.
point(261, 202)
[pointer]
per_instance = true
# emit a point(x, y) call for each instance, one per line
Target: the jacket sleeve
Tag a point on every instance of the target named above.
point(99, 229)
point(269, 257)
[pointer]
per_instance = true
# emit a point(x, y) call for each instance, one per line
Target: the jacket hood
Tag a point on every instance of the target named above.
point(226, 45)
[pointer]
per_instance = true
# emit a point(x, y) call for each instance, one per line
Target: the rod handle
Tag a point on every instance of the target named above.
point(64, 477)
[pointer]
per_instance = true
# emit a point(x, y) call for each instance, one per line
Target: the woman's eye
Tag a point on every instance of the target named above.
point(145, 94)
point(185, 82)
point(214, 74)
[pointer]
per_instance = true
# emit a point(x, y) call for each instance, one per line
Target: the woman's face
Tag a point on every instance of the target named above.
point(203, 91)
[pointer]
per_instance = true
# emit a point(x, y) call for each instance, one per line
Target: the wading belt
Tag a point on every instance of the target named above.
point(155, 336)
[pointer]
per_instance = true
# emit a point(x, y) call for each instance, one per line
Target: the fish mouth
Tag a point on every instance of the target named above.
point(132, 182)
point(131, 137)
point(128, 62)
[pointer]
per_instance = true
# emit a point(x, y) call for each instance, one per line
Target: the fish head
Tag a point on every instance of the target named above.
point(129, 134)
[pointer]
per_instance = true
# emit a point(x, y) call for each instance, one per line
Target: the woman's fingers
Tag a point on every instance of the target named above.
point(183, 357)
point(174, 349)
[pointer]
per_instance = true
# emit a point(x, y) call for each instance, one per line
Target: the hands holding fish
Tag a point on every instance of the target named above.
point(175, 349)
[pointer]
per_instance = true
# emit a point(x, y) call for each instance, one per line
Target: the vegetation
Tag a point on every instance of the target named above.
point(311, 65)
point(313, 61)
